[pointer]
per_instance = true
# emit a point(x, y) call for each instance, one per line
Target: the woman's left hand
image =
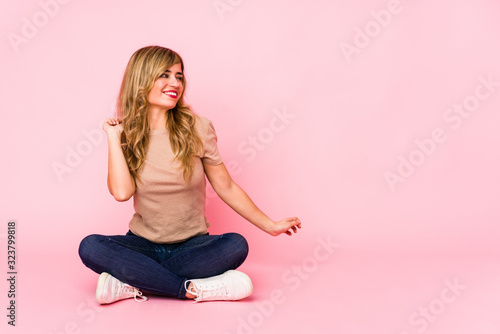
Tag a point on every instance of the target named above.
point(286, 226)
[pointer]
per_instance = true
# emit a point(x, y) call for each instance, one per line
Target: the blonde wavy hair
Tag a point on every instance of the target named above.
point(144, 67)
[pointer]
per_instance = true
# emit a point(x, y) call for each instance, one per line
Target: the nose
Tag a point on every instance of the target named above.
point(174, 83)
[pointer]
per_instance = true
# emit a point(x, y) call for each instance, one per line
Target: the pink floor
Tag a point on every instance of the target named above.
point(340, 292)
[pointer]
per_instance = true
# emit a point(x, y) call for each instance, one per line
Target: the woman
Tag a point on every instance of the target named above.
point(159, 151)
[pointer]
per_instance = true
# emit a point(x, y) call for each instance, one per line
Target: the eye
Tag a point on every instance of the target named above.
point(165, 75)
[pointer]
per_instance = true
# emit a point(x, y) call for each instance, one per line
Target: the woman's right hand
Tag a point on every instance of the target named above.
point(113, 126)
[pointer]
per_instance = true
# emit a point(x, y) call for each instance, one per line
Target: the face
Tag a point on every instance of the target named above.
point(167, 88)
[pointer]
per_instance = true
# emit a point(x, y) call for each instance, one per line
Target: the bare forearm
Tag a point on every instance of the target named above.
point(241, 203)
point(120, 182)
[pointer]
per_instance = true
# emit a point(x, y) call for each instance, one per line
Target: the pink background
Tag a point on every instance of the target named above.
point(353, 116)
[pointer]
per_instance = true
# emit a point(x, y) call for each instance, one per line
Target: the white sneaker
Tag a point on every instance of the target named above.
point(231, 285)
point(110, 289)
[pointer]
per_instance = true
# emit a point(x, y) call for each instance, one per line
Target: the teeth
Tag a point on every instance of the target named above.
point(171, 93)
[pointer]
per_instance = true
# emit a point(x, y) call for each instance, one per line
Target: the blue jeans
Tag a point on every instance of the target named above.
point(162, 268)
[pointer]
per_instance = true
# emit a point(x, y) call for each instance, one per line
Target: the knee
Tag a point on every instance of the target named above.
point(239, 244)
point(87, 246)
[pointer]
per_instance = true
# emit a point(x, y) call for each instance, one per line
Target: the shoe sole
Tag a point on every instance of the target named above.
point(100, 288)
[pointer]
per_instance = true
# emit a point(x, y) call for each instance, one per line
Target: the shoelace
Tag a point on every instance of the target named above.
point(125, 288)
point(212, 290)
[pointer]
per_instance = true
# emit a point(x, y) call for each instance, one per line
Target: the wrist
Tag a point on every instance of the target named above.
point(270, 228)
point(113, 136)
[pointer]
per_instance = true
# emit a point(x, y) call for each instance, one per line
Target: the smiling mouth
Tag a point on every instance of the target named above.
point(171, 94)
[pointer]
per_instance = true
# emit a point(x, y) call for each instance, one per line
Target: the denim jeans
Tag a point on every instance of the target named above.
point(162, 268)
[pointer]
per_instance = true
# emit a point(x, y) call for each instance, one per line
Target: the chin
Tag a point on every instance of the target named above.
point(170, 106)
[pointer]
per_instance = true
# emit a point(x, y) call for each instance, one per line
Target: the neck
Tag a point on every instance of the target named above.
point(157, 119)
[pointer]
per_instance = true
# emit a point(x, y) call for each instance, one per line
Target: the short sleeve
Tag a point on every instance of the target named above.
point(211, 153)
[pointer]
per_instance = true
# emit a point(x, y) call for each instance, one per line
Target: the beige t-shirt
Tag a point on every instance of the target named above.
point(167, 210)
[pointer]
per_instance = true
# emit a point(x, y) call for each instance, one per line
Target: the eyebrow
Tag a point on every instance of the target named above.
point(168, 71)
